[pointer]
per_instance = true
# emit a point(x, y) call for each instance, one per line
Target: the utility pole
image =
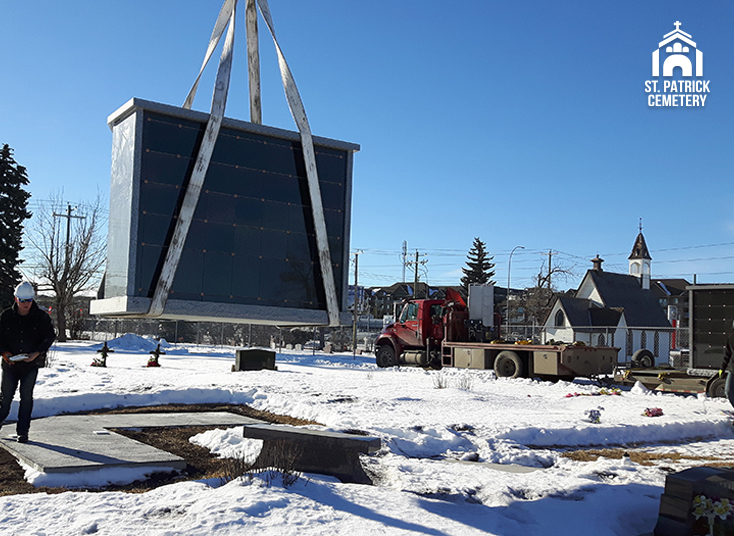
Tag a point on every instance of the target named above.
point(356, 302)
point(62, 294)
point(68, 217)
point(404, 258)
point(415, 264)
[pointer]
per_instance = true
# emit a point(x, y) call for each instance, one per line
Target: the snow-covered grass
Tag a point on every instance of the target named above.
point(463, 452)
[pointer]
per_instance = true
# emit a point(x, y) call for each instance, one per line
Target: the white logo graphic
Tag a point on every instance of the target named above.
point(677, 45)
point(677, 53)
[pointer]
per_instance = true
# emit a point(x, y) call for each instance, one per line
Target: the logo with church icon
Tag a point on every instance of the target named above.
point(677, 63)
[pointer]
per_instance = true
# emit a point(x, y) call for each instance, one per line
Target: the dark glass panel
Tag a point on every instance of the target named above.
point(332, 195)
point(247, 241)
point(158, 198)
point(200, 210)
point(219, 237)
point(299, 247)
point(190, 274)
point(249, 211)
point(331, 165)
point(148, 258)
point(280, 188)
point(229, 180)
point(274, 244)
point(217, 274)
point(153, 229)
point(246, 276)
point(171, 135)
point(334, 223)
point(274, 216)
point(298, 280)
point(297, 217)
point(220, 207)
point(272, 272)
point(197, 237)
point(165, 168)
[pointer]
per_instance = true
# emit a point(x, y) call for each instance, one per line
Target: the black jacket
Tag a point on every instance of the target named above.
point(728, 350)
point(33, 332)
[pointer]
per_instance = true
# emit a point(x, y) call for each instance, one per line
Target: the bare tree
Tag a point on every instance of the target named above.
point(538, 299)
point(68, 251)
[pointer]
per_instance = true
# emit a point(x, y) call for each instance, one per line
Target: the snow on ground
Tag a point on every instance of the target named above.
point(463, 452)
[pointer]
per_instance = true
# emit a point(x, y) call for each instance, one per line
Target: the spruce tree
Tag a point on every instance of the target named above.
point(13, 203)
point(480, 268)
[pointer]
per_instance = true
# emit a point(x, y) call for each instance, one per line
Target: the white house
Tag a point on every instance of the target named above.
point(611, 309)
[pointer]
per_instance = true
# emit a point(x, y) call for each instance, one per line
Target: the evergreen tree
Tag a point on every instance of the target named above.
point(13, 203)
point(480, 268)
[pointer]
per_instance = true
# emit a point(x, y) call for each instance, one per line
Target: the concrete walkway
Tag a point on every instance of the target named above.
point(72, 443)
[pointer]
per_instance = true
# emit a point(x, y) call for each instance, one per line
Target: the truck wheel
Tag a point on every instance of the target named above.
point(385, 356)
point(643, 358)
point(508, 365)
point(716, 388)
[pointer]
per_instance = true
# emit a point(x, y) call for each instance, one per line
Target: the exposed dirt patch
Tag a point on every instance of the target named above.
point(642, 457)
point(200, 463)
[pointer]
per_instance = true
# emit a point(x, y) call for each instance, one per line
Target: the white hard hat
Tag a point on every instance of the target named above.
point(25, 291)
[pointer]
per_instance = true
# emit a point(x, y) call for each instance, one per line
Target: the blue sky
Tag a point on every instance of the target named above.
point(521, 123)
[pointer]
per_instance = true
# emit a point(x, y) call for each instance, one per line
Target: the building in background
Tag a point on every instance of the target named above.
point(611, 309)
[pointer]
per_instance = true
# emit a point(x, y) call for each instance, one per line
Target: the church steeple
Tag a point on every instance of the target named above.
point(640, 259)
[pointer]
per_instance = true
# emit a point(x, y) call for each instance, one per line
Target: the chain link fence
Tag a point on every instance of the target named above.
point(660, 341)
point(230, 334)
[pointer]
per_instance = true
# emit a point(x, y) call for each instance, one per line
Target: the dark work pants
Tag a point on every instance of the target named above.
point(729, 387)
point(26, 377)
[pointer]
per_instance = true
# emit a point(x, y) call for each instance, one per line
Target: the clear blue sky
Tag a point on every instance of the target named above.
point(522, 123)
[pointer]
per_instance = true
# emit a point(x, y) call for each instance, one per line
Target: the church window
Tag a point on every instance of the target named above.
point(629, 342)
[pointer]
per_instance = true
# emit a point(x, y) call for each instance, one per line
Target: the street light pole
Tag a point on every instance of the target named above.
point(509, 266)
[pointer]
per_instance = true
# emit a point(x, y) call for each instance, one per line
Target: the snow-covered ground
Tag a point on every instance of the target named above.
point(448, 439)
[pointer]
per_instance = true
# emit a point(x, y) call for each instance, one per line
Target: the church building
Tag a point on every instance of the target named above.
point(618, 310)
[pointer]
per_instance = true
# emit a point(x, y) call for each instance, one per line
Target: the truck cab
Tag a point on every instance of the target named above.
point(419, 326)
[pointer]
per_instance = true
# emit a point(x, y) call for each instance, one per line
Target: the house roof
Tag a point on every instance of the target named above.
point(672, 287)
point(582, 312)
point(641, 307)
point(576, 309)
point(605, 316)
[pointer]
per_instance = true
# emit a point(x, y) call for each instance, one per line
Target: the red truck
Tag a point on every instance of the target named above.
point(448, 333)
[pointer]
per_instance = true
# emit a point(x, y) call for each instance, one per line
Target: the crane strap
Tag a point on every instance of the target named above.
point(193, 190)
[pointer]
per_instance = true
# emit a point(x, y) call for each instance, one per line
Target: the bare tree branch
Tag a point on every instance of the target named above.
point(538, 299)
point(68, 251)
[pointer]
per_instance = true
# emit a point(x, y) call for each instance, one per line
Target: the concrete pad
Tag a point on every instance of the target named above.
point(72, 443)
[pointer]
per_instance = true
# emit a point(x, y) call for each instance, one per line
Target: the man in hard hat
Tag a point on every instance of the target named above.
point(26, 334)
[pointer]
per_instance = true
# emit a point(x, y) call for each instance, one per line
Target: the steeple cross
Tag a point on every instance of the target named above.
point(677, 25)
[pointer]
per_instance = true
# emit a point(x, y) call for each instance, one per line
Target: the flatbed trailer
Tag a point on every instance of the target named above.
point(562, 361)
point(673, 380)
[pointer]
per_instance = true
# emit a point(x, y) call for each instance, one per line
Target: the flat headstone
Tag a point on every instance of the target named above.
point(73, 443)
